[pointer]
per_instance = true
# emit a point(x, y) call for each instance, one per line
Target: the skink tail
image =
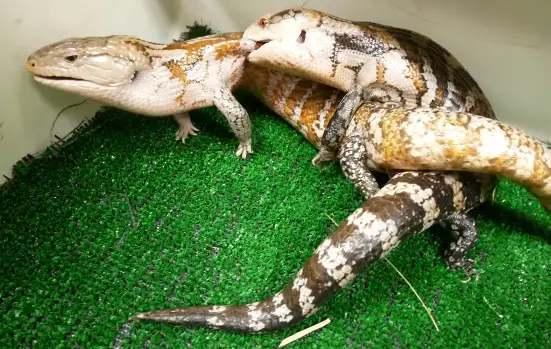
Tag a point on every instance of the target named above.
point(409, 203)
point(435, 139)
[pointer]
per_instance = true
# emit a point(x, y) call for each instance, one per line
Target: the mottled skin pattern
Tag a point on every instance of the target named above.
point(370, 62)
point(381, 138)
point(408, 204)
point(152, 79)
point(411, 202)
point(420, 138)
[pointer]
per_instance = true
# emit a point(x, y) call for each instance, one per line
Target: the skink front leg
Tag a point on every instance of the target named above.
point(237, 117)
point(352, 158)
point(336, 127)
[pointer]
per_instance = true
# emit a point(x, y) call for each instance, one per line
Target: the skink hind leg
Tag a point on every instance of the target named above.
point(337, 126)
point(352, 160)
point(463, 228)
point(238, 119)
point(186, 126)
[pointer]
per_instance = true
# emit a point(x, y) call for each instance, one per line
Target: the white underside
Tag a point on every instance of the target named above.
point(156, 92)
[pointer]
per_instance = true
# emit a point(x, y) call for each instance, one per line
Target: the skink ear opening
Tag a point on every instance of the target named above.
point(134, 76)
point(302, 37)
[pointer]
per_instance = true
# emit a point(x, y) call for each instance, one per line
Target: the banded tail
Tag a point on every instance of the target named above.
point(410, 203)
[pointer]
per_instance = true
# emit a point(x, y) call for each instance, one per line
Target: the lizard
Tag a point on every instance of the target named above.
point(446, 197)
point(158, 79)
point(368, 61)
point(150, 78)
point(409, 203)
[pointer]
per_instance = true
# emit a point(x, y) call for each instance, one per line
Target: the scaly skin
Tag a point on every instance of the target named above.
point(411, 202)
point(368, 61)
point(420, 138)
point(159, 79)
point(152, 79)
point(388, 138)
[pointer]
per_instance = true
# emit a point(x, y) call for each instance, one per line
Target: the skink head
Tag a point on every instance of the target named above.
point(288, 27)
point(105, 61)
point(287, 38)
point(298, 42)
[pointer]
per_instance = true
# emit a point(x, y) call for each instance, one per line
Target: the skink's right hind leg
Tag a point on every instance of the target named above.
point(463, 228)
point(186, 126)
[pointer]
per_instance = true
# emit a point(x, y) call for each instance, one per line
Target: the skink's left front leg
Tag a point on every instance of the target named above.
point(353, 159)
point(336, 128)
point(237, 117)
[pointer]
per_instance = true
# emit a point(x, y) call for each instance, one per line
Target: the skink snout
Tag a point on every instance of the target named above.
point(31, 64)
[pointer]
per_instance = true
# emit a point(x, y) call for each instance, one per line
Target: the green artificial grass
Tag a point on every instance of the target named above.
point(124, 219)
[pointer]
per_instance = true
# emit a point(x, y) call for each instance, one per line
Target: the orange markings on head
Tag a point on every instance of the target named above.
point(137, 45)
point(315, 15)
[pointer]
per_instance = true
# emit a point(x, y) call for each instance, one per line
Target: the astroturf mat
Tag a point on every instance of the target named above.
point(122, 219)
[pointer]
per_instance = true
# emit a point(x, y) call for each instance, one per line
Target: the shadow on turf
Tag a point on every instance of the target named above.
point(516, 220)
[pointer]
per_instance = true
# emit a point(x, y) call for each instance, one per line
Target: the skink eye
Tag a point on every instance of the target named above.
point(262, 22)
point(71, 58)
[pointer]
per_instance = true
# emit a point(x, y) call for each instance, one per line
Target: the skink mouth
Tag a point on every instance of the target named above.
point(45, 78)
point(61, 78)
point(262, 42)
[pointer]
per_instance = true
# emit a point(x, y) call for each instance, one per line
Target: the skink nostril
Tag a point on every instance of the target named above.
point(30, 65)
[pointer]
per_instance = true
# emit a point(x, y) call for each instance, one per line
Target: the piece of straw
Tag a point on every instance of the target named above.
point(304, 332)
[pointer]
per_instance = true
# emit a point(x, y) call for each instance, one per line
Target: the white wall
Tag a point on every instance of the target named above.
point(506, 45)
point(27, 108)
